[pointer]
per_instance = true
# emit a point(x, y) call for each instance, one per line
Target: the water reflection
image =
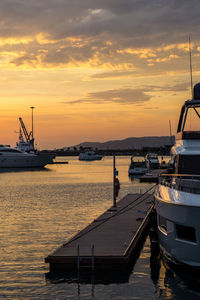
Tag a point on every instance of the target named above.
point(19, 170)
point(135, 178)
point(40, 210)
point(171, 284)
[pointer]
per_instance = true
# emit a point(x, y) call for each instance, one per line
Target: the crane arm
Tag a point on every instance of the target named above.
point(27, 136)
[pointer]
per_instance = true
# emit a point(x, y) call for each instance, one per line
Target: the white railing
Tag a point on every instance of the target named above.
point(181, 182)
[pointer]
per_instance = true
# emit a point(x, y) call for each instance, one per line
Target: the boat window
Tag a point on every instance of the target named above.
point(186, 233)
point(188, 164)
point(139, 164)
point(10, 150)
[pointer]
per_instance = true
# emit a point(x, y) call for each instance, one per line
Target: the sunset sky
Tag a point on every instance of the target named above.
point(95, 70)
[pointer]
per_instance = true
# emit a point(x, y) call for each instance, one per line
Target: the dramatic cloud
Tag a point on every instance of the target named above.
point(180, 87)
point(130, 18)
point(109, 34)
point(120, 96)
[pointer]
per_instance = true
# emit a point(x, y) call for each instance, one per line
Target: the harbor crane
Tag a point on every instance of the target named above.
point(26, 135)
point(26, 140)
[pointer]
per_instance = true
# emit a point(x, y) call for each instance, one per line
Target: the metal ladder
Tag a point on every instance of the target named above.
point(83, 262)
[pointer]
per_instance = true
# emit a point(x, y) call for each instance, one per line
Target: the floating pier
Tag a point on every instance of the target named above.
point(59, 163)
point(110, 242)
point(152, 176)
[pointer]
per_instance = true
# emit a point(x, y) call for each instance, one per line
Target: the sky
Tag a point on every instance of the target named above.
point(95, 70)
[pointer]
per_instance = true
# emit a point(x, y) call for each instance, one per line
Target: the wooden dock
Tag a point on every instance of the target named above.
point(152, 176)
point(110, 241)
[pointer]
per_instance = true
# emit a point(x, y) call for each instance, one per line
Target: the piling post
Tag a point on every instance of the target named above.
point(92, 258)
point(114, 179)
point(78, 259)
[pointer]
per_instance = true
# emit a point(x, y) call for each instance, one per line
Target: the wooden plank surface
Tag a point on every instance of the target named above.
point(112, 234)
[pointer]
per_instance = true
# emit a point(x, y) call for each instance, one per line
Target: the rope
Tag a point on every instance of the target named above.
point(121, 211)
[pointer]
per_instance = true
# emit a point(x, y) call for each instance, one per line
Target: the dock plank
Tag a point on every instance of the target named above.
point(113, 234)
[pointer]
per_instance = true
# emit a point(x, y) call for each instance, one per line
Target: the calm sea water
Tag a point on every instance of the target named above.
point(41, 209)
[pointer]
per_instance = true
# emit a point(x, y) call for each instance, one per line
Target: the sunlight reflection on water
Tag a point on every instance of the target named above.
point(40, 210)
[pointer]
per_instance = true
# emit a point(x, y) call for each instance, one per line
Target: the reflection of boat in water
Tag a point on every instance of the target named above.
point(14, 158)
point(90, 155)
point(137, 167)
point(178, 196)
point(152, 161)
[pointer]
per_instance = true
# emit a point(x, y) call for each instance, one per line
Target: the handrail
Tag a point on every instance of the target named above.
point(180, 175)
point(182, 182)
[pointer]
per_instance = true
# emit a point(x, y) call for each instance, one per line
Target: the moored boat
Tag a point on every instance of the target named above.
point(177, 197)
point(89, 156)
point(137, 167)
point(152, 161)
point(14, 158)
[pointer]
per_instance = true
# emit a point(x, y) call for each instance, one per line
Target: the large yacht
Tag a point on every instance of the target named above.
point(14, 158)
point(177, 197)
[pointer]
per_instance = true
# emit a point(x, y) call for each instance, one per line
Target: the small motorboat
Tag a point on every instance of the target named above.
point(89, 156)
point(137, 167)
point(152, 161)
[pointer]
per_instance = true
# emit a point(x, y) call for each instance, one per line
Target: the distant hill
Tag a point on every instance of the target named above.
point(130, 143)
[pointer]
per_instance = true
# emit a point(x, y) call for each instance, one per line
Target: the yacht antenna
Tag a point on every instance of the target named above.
point(190, 53)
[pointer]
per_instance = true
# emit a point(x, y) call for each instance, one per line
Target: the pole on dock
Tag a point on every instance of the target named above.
point(115, 173)
point(32, 108)
point(114, 176)
point(78, 259)
point(92, 250)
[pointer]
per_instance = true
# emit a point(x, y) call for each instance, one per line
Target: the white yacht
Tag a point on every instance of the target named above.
point(152, 160)
point(14, 158)
point(177, 197)
point(137, 167)
point(90, 155)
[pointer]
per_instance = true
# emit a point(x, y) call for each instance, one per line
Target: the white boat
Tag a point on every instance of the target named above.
point(24, 146)
point(14, 158)
point(177, 197)
point(137, 168)
point(152, 161)
point(90, 155)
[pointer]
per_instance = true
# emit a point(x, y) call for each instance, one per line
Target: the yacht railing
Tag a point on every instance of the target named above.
point(182, 182)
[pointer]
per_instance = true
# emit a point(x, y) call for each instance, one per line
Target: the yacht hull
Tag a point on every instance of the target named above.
point(137, 171)
point(35, 161)
point(178, 217)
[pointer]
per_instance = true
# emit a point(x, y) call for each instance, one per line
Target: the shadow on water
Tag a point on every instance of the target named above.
point(182, 280)
point(19, 170)
point(176, 286)
point(88, 277)
point(172, 282)
point(134, 178)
